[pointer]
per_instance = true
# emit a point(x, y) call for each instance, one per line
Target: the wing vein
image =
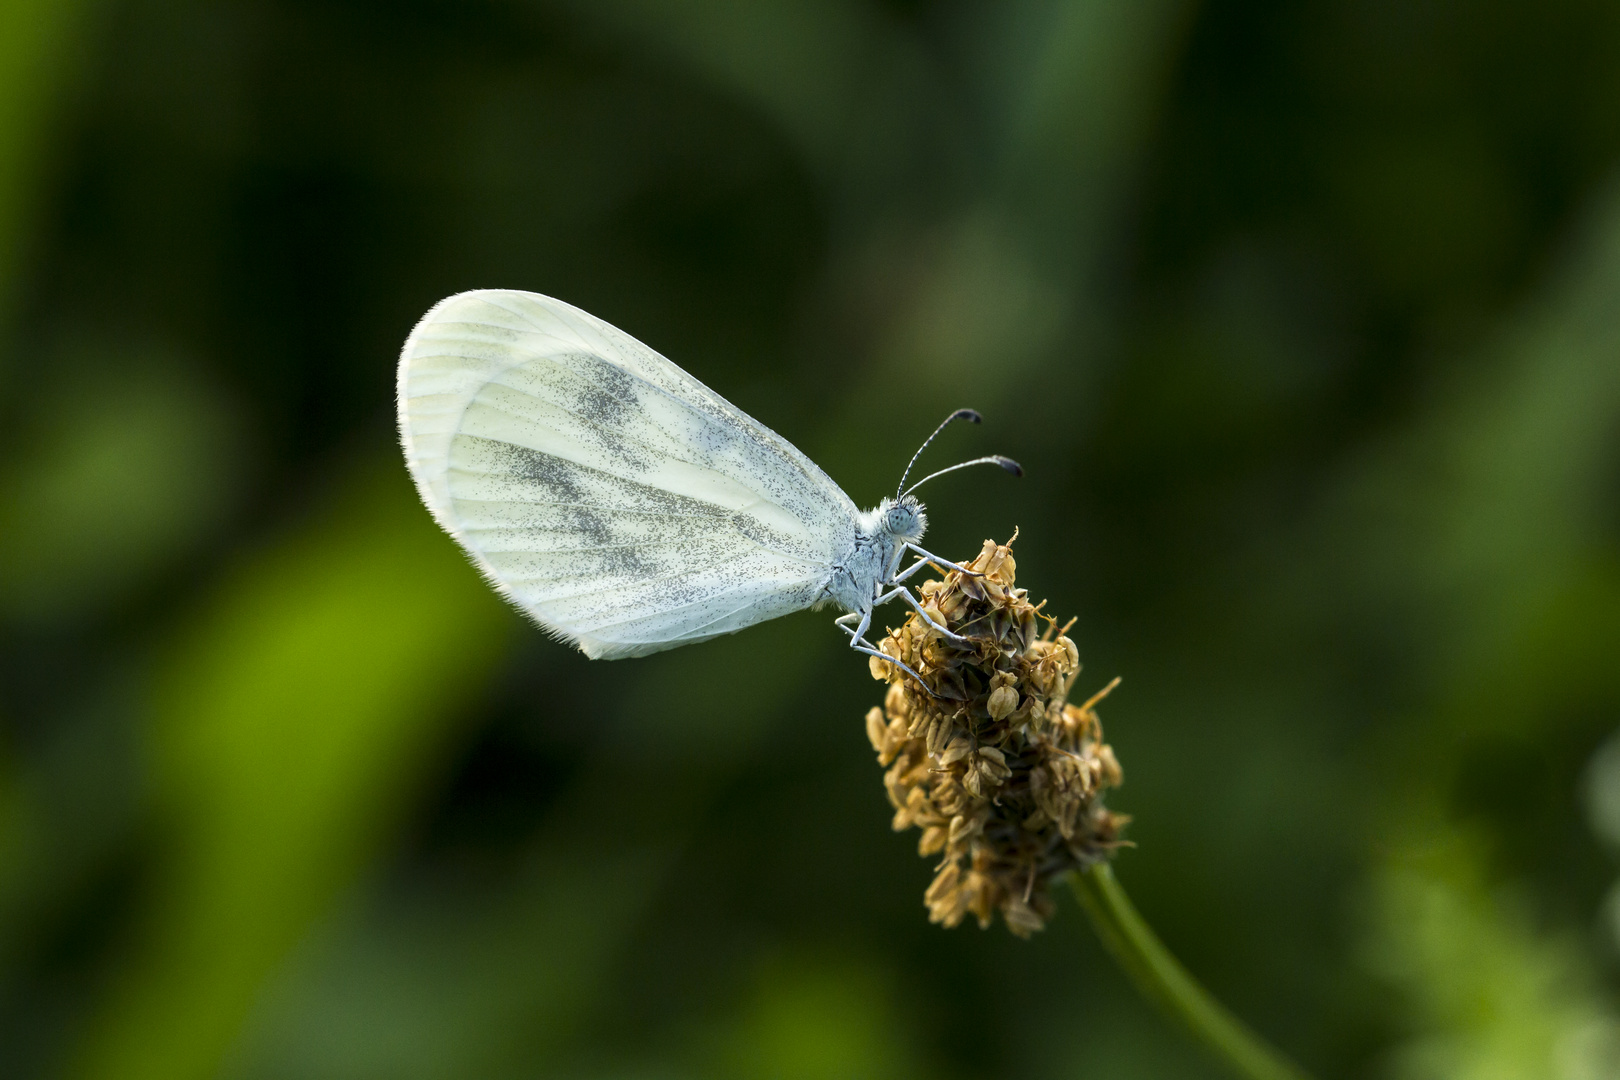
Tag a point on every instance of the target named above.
point(786, 450)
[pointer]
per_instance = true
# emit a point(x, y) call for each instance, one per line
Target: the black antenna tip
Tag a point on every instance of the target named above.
point(970, 415)
point(1010, 465)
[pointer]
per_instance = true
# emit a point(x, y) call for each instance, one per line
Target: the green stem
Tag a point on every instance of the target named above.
point(1161, 978)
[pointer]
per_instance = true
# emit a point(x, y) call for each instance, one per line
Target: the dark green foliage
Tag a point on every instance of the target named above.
point(1303, 318)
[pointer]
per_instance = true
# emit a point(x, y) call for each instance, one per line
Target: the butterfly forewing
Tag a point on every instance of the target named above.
point(622, 503)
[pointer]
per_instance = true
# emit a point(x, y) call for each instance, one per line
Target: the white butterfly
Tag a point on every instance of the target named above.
point(622, 504)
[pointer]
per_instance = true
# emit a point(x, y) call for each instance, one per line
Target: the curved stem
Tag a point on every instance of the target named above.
point(1161, 978)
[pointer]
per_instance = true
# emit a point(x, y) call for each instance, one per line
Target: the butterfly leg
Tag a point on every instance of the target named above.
point(908, 571)
point(858, 642)
point(928, 557)
point(902, 593)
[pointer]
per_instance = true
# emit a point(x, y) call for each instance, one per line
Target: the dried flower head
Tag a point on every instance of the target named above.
point(1003, 776)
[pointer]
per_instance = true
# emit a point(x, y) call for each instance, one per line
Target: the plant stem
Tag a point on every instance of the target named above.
point(1161, 978)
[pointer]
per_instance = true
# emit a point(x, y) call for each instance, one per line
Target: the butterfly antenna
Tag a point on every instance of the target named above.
point(994, 459)
point(970, 415)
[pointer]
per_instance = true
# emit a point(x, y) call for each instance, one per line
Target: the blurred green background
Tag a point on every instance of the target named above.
point(1304, 319)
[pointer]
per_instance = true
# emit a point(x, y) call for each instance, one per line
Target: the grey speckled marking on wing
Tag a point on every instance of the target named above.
point(614, 497)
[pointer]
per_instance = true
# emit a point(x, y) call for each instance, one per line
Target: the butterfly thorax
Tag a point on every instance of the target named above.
point(880, 538)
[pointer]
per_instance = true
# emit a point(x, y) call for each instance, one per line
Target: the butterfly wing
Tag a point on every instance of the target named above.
point(621, 503)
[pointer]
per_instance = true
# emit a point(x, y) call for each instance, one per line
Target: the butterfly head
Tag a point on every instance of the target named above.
point(903, 519)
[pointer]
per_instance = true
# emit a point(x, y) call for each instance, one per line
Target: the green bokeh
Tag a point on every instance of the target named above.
point(1304, 320)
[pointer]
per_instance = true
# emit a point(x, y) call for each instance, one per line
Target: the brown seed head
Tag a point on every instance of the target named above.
point(1002, 775)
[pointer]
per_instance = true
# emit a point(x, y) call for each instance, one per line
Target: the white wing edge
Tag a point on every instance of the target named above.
point(440, 508)
point(402, 375)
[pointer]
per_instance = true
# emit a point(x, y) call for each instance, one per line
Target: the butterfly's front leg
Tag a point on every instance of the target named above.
point(903, 593)
point(926, 558)
point(908, 571)
point(930, 561)
point(858, 642)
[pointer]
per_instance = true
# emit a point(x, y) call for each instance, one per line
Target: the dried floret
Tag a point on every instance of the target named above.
point(1002, 775)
